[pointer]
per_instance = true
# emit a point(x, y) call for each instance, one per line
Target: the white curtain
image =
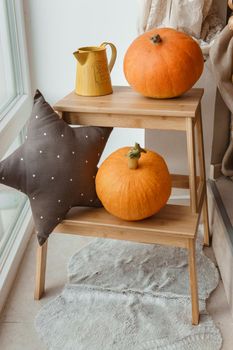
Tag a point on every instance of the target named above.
point(198, 18)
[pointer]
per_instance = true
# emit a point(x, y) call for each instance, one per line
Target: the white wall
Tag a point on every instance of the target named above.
point(56, 28)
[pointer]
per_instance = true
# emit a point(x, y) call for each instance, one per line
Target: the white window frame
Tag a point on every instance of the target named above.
point(15, 117)
point(19, 109)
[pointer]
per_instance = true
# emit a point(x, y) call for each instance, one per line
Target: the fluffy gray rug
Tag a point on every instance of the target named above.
point(129, 296)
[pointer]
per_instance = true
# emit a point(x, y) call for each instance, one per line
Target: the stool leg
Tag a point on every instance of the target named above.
point(191, 163)
point(40, 270)
point(203, 177)
point(193, 282)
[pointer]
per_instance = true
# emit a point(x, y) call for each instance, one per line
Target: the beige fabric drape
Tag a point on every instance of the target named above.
point(221, 57)
point(221, 132)
point(198, 18)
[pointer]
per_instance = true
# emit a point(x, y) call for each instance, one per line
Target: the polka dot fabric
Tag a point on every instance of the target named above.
point(56, 166)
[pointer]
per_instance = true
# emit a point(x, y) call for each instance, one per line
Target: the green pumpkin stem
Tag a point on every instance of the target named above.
point(156, 39)
point(133, 156)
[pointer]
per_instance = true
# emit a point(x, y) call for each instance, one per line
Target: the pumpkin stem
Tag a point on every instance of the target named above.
point(156, 39)
point(133, 156)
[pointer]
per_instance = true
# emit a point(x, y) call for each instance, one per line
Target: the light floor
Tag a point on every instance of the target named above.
point(17, 320)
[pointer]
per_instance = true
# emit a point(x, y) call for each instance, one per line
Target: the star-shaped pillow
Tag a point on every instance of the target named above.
point(56, 166)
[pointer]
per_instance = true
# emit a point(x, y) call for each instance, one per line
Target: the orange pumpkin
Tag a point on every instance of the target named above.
point(230, 4)
point(130, 192)
point(163, 63)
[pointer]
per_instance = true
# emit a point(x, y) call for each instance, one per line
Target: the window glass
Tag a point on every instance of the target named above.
point(7, 68)
point(11, 204)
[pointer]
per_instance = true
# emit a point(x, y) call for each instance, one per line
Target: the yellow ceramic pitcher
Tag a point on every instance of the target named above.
point(93, 70)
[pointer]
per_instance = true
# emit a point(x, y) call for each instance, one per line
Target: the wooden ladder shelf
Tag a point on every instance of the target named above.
point(174, 225)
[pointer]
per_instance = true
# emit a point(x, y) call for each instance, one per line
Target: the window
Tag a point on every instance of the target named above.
point(15, 99)
point(7, 81)
point(15, 108)
point(12, 203)
point(10, 70)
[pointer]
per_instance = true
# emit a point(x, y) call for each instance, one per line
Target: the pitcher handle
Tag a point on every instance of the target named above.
point(113, 56)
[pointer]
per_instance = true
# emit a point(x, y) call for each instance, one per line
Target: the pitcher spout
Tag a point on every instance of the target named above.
point(81, 56)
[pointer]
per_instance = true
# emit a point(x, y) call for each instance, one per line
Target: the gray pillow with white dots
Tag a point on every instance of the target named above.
point(56, 166)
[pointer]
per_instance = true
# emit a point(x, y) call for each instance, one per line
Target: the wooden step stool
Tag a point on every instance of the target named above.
point(174, 225)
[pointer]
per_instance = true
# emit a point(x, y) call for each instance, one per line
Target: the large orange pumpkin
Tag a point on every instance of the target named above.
point(133, 193)
point(163, 63)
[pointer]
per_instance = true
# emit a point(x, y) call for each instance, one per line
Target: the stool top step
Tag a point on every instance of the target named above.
point(125, 101)
point(173, 223)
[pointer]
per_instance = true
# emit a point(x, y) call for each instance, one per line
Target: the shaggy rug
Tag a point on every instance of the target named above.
point(130, 296)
